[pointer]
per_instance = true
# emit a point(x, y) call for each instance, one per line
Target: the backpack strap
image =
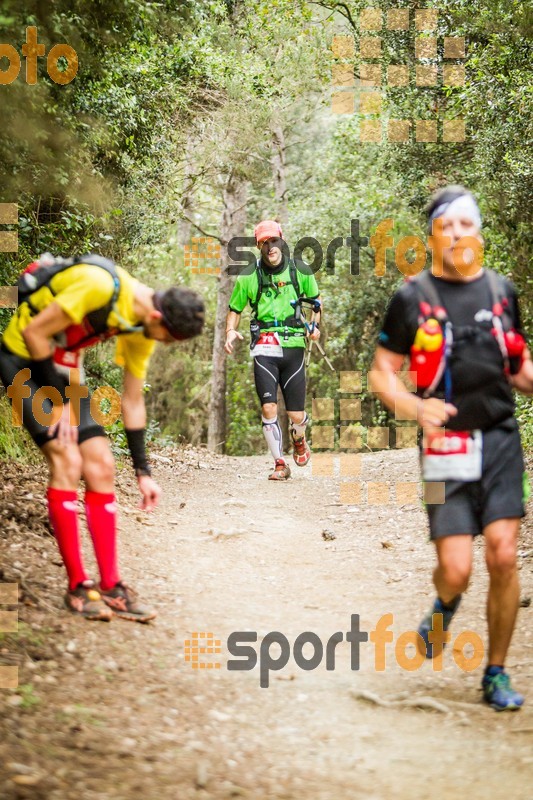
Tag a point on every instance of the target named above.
point(501, 316)
point(259, 273)
point(431, 303)
point(293, 274)
point(500, 301)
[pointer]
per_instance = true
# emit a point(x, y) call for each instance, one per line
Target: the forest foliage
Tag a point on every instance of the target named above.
point(171, 98)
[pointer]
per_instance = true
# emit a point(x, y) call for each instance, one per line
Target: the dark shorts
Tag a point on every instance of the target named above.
point(287, 372)
point(470, 507)
point(10, 365)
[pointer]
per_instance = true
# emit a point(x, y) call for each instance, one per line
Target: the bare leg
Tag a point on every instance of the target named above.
point(64, 463)
point(452, 573)
point(504, 592)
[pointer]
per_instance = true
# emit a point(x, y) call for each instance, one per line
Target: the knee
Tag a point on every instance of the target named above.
point(297, 416)
point(501, 559)
point(269, 410)
point(66, 465)
point(99, 468)
point(456, 575)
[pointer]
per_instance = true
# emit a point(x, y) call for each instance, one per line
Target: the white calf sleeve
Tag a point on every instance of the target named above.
point(273, 436)
point(299, 427)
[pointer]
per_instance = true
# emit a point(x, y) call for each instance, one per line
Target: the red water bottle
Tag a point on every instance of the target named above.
point(427, 352)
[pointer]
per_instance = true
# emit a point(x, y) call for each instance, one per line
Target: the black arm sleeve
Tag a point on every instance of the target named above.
point(137, 446)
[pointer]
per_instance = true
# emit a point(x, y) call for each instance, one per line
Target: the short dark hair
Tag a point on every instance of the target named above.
point(183, 311)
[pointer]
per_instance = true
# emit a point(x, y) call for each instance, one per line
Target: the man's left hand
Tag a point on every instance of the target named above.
point(151, 492)
point(315, 335)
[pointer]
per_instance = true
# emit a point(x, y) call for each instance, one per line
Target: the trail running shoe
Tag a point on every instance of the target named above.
point(427, 623)
point(301, 451)
point(86, 601)
point(497, 692)
point(281, 471)
point(122, 600)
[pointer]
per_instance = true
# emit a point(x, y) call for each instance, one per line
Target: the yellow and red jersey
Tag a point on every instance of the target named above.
point(80, 290)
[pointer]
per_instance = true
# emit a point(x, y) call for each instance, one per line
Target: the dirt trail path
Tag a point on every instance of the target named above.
point(115, 711)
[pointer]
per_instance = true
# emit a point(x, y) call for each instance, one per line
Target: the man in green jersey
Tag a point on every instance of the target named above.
point(278, 339)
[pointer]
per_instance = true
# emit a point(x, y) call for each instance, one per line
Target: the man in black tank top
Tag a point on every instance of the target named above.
point(461, 328)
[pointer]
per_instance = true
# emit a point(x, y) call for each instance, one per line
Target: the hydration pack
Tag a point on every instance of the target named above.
point(431, 366)
point(40, 273)
point(289, 322)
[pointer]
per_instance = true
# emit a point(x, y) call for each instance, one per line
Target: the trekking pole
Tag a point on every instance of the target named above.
point(320, 350)
point(310, 327)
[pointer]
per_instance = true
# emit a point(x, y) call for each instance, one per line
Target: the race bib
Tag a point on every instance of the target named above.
point(268, 344)
point(66, 360)
point(452, 455)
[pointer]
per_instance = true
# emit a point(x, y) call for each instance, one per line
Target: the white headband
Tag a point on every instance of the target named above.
point(465, 205)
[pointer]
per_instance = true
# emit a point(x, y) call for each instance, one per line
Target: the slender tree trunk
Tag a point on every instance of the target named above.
point(187, 198)
point(279, 174)
point(280, 193)
point(233, 224)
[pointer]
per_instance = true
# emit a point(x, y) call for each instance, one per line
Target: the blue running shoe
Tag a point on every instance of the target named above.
point(497, 692)
point(426, 626)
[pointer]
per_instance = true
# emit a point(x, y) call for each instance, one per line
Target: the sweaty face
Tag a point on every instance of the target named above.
point(271, 250)
point(461, 256)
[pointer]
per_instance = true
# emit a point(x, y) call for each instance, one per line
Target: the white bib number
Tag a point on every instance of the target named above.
point(268, 345)
point(452, 455)
point(66, 360)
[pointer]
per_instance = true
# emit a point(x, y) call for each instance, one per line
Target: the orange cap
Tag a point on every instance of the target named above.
point(267, 229)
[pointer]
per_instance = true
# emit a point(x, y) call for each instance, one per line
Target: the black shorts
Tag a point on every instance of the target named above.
point(470, 507)
point(10, 365)
point(287, 372)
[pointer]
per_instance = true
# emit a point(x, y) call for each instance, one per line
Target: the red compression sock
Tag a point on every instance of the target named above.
point(101, 513)
point(63, 513)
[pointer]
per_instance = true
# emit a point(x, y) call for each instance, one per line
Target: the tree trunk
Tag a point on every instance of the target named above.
point(280, 193)
point(279, 174)
point(233, 224)
point(187, 198)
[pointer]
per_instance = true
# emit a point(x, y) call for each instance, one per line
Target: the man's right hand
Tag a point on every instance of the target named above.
point(151, 492)
point(230, 338)
point(434, 413)
point(67, 433)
